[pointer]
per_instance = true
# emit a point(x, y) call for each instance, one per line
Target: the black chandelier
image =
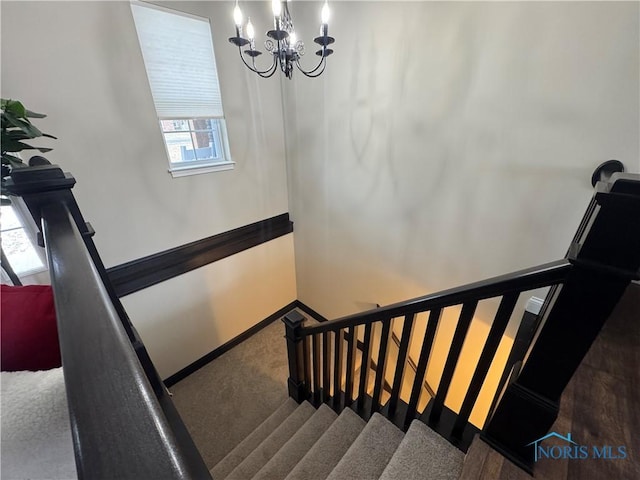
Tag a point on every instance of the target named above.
point(282, 43)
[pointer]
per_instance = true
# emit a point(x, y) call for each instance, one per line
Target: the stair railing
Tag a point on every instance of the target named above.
point(314, 375)
point(123, 422)
point(586, 285)
point(605, 255)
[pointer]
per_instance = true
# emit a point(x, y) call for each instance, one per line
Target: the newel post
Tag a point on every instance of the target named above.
point(297, 382)
point(605, 258)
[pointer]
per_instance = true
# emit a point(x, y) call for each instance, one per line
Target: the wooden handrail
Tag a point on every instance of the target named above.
point(118, 426)
point(522, 280)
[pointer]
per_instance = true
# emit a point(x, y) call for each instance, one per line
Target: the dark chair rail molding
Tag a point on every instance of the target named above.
point(144, 272)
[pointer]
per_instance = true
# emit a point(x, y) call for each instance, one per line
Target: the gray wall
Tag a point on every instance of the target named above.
point(80, 62)
point(449, 142)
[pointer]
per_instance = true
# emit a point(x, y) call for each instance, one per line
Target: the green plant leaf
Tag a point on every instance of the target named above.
point(9, 145)
point(20, 135)
point(15, 146)
point(25, 126)
point(30, 114)
point(10, 120)
point(15, 127)
point(11, 160)
point(15, 108)
point(14, 135)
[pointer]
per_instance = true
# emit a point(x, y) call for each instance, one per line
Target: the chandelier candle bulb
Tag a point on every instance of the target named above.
point(324, 14)
point(251, 33)
point(276, 6)
point(237, 18)
point(324, 18)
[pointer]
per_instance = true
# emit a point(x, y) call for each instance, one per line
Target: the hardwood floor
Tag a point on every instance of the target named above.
point(600, 406)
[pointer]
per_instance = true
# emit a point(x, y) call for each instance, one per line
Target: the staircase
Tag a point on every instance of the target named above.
point(332, 441)
point(300, 442)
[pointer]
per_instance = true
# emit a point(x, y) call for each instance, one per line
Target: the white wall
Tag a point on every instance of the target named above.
point(210, 305)
point(448, 142)
point(80, 63)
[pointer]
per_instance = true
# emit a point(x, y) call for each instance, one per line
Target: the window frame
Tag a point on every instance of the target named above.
point(221, 163)
point(185, 168)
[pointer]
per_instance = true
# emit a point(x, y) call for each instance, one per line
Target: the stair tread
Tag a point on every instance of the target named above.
point(329, 449)
point(298, 445)
point(424, 454)
point(270, 445)
point(370, 452)
point(251, 442)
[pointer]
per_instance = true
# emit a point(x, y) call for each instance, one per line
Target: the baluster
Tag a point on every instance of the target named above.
point(365, 366)
point(306, 365)
point(468, 309)
point(382, 360)
point(352, 345)
point(405, 340)
point(421, 369)
point(326, 358)
point(337, 368)
point(507, 304)
point(316, 370)
point(524, 336)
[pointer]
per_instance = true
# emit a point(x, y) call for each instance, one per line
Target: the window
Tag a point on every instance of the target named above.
point(16, 235)
point(196, 141)
point(181, 68)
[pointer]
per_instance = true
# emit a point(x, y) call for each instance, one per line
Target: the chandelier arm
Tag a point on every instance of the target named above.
point(263, 73)
point(311, 73)
point(268, 72)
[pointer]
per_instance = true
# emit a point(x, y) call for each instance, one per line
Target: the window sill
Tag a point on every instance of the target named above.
point(186, 171)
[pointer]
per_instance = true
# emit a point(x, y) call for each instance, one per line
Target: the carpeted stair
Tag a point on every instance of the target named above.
point(298, 442)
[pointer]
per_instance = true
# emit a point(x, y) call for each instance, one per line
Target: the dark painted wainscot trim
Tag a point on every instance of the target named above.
point(144, 272)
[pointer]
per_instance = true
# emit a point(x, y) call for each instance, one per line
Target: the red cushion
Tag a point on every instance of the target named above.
point(29, 334)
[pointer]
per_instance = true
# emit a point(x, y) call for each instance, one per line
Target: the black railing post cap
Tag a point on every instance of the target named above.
point(605, 170)
point(36, 172)
point(293, 319)
point(38, 179)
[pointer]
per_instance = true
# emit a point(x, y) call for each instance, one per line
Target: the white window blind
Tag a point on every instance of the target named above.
point(178, 55)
